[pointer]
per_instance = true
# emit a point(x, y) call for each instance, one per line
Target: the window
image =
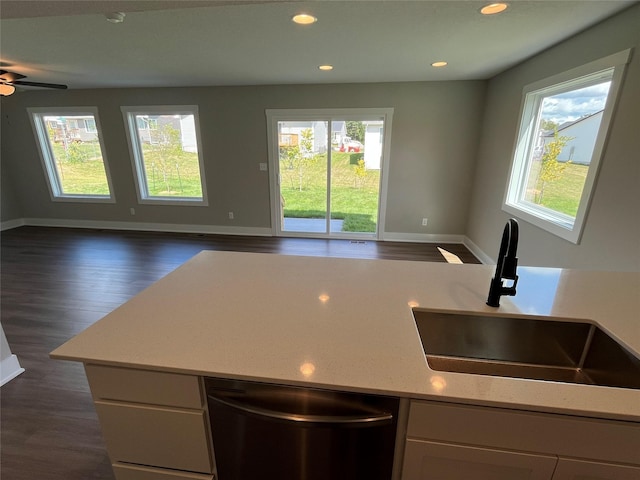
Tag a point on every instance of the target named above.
point(563, 129)
point(90, 125)
point(166, 154)
point(145, 122)
point(72, 155)
point(326, 171)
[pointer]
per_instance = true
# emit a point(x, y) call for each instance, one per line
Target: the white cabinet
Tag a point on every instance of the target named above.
point(159, 436)
point(155, 424)
point(431, 460)
point(144, 386)
point(570, 469)
point(136, 472)
point(459, 442)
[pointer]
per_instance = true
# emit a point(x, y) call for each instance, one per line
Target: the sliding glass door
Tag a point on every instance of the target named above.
point(326, 172)
point(303, 156)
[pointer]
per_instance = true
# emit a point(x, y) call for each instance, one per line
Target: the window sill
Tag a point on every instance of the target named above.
point(557, 226)
point(189, 202)
point(82, 199)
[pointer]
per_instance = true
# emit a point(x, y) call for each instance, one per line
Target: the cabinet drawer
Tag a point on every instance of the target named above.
point(135, 472)
point(570, 469)
point(143, 386)
point(156, 436)
point(609, 440)
point(434, 461)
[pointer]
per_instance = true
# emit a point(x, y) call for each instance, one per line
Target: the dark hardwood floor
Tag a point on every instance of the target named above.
point(55, 282)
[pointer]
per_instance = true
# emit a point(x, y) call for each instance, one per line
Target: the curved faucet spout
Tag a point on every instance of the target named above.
point(507, 265)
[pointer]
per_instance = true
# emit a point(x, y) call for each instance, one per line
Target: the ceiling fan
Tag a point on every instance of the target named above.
point(9, 81)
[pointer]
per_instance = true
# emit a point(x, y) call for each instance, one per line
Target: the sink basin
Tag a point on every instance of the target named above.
point(551, 350)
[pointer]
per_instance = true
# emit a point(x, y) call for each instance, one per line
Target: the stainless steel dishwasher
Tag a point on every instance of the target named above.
point(293, 433)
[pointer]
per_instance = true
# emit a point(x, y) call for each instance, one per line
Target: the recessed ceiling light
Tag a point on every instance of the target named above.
point(304, 19)
point(325, 68)
point(439, 64)
point(493, 8)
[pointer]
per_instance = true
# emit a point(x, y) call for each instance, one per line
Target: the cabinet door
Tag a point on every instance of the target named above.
point(160, 437)
point(550, 434)
point(135, 472)
point(144, 386)
point(569, 469)
point(435, 461)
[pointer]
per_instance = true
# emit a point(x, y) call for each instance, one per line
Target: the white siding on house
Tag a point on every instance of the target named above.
point(188, 134)
point(373, 145)
point(583, 133)
point(319, 132)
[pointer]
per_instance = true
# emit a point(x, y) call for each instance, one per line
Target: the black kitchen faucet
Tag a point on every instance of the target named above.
point(507, 265)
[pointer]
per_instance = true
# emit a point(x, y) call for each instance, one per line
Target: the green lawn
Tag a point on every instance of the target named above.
point(176, 174)
point(172, 172)
point(354, 198)
point(563, 195)
point(81, 171)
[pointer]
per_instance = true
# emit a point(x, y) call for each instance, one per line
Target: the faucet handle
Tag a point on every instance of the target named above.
point(509, 268)
point(511, 290)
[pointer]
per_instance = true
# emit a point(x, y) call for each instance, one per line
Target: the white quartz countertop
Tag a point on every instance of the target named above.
point(347, 324)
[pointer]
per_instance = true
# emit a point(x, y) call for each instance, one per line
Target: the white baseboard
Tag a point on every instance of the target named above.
point(147, 227)
point(479, 254)
point(9, 369)
point(421, 238)
point(9, 224)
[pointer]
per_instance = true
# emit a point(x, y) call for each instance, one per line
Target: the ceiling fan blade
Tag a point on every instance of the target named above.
point(39, 84)
point(10, 76)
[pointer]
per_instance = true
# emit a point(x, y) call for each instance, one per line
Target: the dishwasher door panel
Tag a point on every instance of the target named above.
point(292, 433)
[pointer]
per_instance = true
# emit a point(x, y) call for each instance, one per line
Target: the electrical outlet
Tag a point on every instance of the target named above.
point(263, 167)
point(132, 211)
point(425, 221)
point(230, 215)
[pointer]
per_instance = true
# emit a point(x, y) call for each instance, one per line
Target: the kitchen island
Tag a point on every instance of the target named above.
point(347, 325)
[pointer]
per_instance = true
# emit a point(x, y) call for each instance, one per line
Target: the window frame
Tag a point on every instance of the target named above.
point(137, 159)
point(47, 157)
point(557, 223)
point(274, 116)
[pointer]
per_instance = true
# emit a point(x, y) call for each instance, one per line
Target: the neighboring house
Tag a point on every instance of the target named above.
point(72, 129)
point(373, 140)
point(338, 132)
point(290, 134)
point(583, 133)
point(149, 125)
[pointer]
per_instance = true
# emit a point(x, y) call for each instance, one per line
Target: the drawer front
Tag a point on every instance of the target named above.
point(526, 431)
point(134, 472)
point(434, 461)
point(144, 386)
point(156, 436)
point(570, 469)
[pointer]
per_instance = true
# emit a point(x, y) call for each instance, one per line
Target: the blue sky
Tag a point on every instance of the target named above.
point(566, 107)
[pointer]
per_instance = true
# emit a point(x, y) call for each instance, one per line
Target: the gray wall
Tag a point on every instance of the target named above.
point(451, 150)
point(435, 133)
point(611, 238)
point(9, 203)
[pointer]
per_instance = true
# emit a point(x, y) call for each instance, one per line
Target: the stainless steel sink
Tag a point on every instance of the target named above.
point(551, 350)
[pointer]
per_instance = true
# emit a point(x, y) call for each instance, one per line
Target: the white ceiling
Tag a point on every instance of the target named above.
point(202, 43)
